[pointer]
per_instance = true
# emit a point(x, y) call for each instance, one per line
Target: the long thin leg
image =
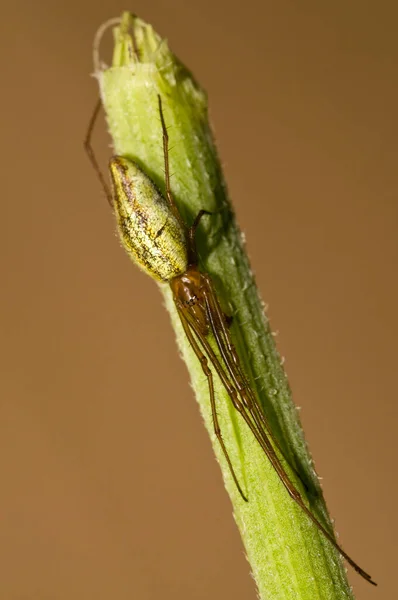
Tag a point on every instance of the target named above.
point(91, 155)
point(166, 164)
point(193, 254)
point(204, 363)
point(272, 457)
point(195, 224)
point(235, 370)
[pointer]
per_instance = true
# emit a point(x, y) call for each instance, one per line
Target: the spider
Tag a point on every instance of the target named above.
point(156, 237)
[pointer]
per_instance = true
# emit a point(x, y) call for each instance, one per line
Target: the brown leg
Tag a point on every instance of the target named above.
point(91, 155)
point(261, 436)
point(204, 364)
point(235, 370)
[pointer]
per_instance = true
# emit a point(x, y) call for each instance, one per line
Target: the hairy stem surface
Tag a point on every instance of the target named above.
point(289, 558)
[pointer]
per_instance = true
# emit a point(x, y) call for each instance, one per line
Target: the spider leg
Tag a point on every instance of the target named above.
point(165, 137)
point(204, 364)
point(250, 418)
point(91, 154)
point(239, 405)
point(239, 378)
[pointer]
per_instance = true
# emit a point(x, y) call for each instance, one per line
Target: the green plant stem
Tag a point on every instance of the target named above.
point(289, 558)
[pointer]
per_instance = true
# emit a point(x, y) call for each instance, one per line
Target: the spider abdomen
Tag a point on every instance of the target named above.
point(151, 234)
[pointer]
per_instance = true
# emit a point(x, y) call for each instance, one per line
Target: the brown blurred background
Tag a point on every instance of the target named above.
point(109, 489)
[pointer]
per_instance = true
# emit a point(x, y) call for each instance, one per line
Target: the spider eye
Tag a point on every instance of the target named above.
point(192, 300)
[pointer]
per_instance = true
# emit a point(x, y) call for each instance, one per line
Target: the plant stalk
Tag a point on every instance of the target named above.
point(289, 558)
